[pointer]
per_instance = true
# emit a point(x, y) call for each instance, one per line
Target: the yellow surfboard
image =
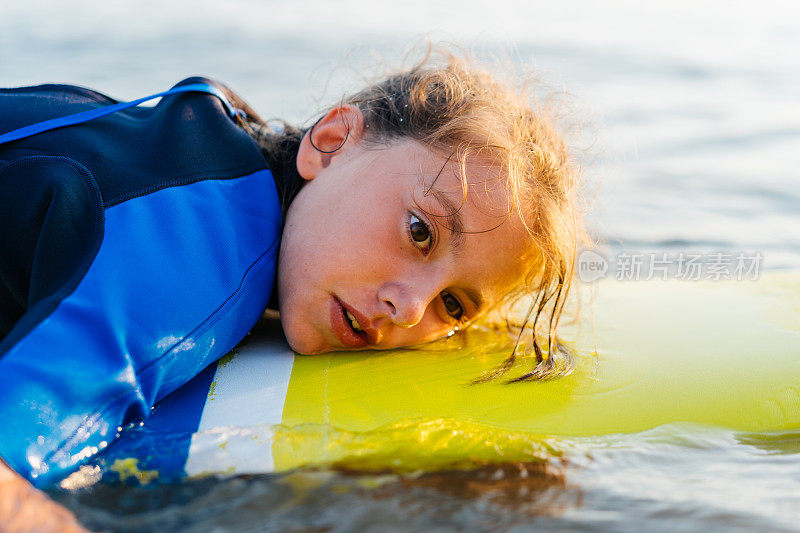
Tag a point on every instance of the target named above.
point(650, 353)
point(715, 353)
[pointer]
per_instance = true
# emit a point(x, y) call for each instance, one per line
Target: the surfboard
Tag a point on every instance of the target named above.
point(649, 353)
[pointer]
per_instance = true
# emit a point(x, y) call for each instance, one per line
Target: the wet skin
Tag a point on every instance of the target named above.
point(368, 259)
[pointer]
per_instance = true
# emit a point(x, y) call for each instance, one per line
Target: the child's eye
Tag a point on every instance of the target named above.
point(420, 234)
point(452, 305)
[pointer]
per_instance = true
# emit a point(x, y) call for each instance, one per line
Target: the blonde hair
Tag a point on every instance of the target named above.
point(450, 102)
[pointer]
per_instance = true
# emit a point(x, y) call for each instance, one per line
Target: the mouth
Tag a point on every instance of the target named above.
point(353, 322)
point(346, 326)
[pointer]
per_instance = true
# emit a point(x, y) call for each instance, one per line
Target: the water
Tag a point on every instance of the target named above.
point(691, 137)
point(671, 478)
point(667, 479)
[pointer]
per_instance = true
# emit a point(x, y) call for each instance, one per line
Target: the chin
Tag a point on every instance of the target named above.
point(303, 341)
point(302, 350)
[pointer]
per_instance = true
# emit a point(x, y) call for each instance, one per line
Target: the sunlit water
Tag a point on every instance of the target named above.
point(691, 139)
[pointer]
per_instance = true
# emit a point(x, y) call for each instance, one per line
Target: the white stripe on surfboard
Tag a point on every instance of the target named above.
point(246, 399)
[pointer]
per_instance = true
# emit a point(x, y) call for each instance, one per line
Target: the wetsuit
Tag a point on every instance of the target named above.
point(135, 249)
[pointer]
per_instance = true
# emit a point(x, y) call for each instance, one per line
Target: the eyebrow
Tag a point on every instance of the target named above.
point(476, 297)
point(456, 227)
point(455, 224)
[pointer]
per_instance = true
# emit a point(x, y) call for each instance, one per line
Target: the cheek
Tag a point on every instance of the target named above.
point(361, 249)
point(429, 329)
point(337, 251)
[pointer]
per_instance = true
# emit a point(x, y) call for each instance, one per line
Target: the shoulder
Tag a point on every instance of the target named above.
point(234, 98)
point(22, 106)
point(57, 91)
point(48, 99)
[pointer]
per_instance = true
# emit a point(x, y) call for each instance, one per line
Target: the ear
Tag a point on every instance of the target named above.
point(334, 134)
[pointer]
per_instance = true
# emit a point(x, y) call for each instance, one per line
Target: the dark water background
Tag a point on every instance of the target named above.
point(691, 138)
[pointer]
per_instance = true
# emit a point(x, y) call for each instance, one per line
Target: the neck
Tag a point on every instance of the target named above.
point(280, 151)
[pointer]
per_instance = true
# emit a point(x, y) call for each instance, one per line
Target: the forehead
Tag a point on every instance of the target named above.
point(458, 180)
point(469, 199)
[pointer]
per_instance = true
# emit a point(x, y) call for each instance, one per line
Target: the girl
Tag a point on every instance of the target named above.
point(140, 244)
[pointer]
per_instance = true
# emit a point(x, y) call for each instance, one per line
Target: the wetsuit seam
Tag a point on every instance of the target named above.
point(167, 183)
point(215, 316)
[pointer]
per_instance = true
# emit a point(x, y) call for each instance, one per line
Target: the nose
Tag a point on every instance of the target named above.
point(405, 303)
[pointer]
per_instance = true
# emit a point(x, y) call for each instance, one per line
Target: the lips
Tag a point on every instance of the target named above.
point(342, 327)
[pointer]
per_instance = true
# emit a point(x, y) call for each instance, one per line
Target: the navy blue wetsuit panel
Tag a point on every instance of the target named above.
point(50, 227)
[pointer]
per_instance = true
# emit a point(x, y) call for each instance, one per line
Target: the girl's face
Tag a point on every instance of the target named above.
point(374, 257)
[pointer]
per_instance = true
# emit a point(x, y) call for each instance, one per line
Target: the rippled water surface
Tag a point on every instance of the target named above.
point(691, 139)
point(671, 478)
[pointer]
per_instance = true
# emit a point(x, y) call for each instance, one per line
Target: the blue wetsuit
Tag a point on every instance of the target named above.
point(135, 249)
